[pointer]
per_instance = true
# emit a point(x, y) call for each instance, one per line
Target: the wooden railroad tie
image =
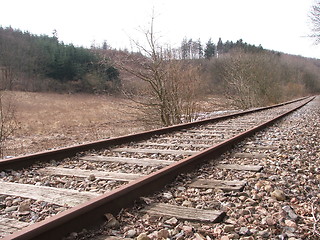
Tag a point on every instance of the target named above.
point(174, 145)
point(154, 151)
point(184, 213)
point(259, 147)
point(126, 160)
point(253, 168)
point(192, 140)
point(59, 196)
point(250, 155)
point(73, 172)
point(207, 136)
point(207, 133)
point(224, 185)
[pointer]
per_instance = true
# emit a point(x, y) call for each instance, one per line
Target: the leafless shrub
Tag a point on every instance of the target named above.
point(7, 78)
point(301, 75)
point(8, 121)
point(250, 79)
point(170, 87)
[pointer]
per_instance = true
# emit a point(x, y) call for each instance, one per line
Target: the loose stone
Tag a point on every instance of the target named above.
point(244, 231)
point(112, 221)
point(92, 177)
point(143, 236)
point(187, 203)
point(187, 229)
point(198, 236)
point(172, 221)
point(270, 221)
point(8, 203)
point(10, 209)
point(131, 233)
point(24, 206)
point(228, 228)
point(290, 223)
point(163, 233)
point(167, 195)
point(264, 234)
point(291, 214)
point(278, 195)
point(224, 238)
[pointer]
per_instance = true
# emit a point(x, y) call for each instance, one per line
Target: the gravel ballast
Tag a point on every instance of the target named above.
point(280, 202)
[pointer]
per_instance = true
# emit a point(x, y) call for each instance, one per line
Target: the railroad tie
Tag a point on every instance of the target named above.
point(184, 213)
point(250, 155)
point(168, 145)
point(59, 196)
point(253, 168)
point(154, 151)
point(127, 160)
point(9, 226)
point(262, 147)
point(224, 185)
point(87, 173)
point(192, 140)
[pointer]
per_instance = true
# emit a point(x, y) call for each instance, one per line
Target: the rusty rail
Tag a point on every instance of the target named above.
point(57, 154)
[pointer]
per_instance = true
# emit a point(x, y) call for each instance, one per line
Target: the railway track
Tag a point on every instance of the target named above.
point(66, 190)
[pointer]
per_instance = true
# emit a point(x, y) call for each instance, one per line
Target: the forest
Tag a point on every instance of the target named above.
point(41, 63)
point(249, 75)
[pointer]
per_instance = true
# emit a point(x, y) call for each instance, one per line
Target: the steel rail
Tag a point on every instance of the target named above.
point(61, 153)
point(92, 212)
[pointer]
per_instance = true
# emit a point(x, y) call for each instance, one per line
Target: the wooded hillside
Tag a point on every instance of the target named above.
point(41, 63)
point(241, 71)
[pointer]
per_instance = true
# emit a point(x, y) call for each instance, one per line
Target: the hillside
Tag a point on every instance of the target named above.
point(30, 62)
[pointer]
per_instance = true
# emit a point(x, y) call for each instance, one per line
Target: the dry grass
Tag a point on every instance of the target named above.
point(51, 120)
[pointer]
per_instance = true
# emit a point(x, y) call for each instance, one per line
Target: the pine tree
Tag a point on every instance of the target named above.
point(105, 45)
point(199, 48)
point(210, 49)
point(185, 49)
point(219, 47)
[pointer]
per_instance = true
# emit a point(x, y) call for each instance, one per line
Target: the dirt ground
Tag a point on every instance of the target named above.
point(51, 120)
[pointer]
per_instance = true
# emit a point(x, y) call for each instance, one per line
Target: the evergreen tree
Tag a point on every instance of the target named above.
point(210, 49)
point(200, 48)
point(105, 45)
point(220, 47)
point(28, 56)
point(185, 49)
point(191, 49)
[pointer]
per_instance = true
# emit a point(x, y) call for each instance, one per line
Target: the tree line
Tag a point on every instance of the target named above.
point(42, 63)
point(191, 49)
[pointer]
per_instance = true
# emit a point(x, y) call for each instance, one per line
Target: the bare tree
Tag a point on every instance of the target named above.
point(171, 84)
point(7, 77)
point(251, 80)
point(8, 121)
point(315, 18)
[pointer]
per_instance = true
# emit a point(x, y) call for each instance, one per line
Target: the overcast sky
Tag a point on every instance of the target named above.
point(281, 25)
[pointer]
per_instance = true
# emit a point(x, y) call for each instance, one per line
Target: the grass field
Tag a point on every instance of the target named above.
point(51, 120)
